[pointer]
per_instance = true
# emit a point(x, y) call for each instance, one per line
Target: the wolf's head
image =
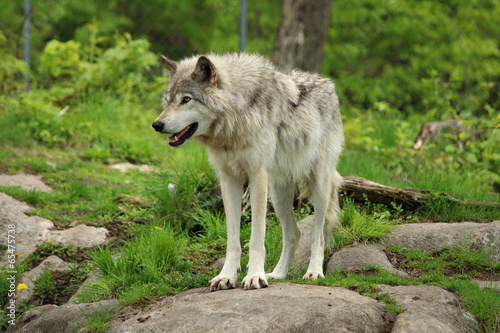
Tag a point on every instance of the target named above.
point(186, 113)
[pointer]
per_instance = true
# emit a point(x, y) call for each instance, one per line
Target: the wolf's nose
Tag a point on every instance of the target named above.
point(158, 125)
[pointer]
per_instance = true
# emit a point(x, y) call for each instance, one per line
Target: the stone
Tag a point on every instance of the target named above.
point(29, 231)
point(494, 284)
point(66, 318)
point(81, 236)
point(283, 307)
point(429, 309)
point(359, 257)
point(27, 182)
point(435, 237)
point(124, 167)
point(53, 263)
point(219, 263)
point(303, 252)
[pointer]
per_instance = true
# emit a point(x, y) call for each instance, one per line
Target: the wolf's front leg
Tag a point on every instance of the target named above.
point(256, 276)
point(232, 191)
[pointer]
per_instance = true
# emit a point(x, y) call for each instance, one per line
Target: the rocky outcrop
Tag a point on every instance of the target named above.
point(283, 307)
point(429, 309)
point(435, 237)
point(66, 318)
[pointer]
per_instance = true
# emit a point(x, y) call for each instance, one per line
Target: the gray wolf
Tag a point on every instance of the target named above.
point(272, 129)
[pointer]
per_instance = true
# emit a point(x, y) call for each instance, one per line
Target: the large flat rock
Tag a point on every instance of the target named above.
point(29, 231)
point(429, 309)
point(81, 236)
point(283, 307)
point(435, 237)
point(27, 182)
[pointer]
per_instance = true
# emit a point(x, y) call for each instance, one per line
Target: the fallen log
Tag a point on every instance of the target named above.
point(361, 189)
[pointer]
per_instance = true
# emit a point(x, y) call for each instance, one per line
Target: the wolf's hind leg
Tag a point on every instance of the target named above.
point(321, 188)
point(232, 191)
point(282, 198)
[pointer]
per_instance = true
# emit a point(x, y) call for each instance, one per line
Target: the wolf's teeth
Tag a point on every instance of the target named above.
point(175, 138)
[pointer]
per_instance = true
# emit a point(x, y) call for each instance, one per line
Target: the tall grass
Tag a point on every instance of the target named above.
point(360, 226)
point(144, 260)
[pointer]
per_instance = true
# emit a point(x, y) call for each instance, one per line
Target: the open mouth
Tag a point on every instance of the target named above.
point(180, 138)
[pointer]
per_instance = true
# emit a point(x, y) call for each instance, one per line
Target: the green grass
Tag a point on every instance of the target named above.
point(145, 266)
point(98, 321)
point(44, 284)
point(362, 227)
point(464, 261)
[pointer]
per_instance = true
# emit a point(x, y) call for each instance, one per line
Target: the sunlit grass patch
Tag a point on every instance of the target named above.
point(361, 227)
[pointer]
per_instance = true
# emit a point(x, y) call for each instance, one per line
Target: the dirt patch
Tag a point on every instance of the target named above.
point(64, 287)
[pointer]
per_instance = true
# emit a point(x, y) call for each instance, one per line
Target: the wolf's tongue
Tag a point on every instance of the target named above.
point(178, 136)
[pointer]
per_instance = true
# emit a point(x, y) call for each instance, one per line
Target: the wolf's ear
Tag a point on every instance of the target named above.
point(205, 71)
point(170, 65)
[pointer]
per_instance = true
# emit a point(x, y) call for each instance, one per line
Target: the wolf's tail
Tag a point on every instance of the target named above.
point(333, 211)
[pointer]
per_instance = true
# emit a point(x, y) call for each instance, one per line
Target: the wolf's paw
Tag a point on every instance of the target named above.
point(312, 275)
point(223, 282)
point(255, 282)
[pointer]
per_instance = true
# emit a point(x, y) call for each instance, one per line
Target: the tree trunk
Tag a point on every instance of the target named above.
point(301, 35)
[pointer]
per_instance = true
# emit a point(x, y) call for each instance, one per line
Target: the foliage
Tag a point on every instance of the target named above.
point(98, 321)
point(44, 284)
point(385, 50)
point(362, 227)
point(146, 266)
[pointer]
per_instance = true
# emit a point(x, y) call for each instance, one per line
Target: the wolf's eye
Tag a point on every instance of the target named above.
point(185, 100)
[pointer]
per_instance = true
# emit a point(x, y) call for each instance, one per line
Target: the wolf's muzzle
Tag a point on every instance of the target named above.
point(158, 126)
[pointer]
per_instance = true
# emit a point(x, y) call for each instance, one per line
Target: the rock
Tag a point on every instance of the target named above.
point(131, 200)
point(27, 182)
point(429, 309)
point(435, 237)
point(80, 236)
point(495, 284)
point(358, 257)
point(124, 167)
point(303, 252)
point(283, 307)
point(30, 231)
point(66, 318)
point(53, 263)
point(219, 263)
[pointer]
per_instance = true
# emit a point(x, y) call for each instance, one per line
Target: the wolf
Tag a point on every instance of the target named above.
point(272, 129)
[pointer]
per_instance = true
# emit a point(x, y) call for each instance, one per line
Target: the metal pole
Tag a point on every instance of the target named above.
point(27, 35)
point(243, 25)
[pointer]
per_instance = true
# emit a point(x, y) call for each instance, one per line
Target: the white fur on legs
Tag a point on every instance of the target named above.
point(256, 277)
point(321, 193)
point(282, 197)
point(231, 194)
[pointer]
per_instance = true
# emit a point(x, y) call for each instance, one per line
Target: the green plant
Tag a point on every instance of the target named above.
point(361, 227)
point(148, 259)
point(44, 284)
point(97, 321)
